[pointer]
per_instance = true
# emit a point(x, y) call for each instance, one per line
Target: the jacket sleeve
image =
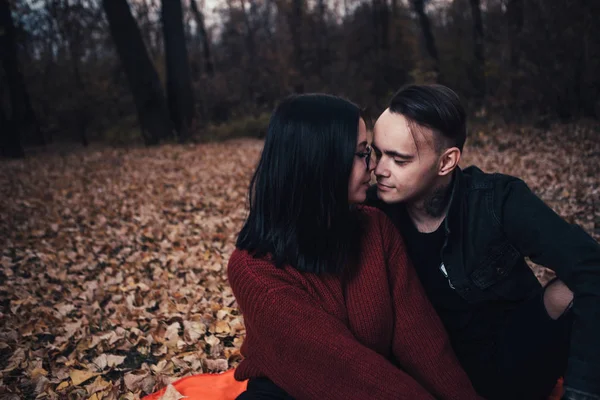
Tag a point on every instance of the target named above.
point(309, 353)
point(421, 344)
point(547, 239)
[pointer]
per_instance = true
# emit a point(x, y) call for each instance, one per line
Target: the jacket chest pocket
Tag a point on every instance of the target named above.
point(496, 265)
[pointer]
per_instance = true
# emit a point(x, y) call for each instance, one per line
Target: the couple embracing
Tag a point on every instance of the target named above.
point(413, 287)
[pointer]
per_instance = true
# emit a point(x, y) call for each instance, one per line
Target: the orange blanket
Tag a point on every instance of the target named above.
point(225, 387)
point(206, 387)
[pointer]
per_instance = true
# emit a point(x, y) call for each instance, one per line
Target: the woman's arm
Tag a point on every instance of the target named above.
point(309, 353)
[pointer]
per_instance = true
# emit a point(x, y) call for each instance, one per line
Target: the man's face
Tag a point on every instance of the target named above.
point(403, 173)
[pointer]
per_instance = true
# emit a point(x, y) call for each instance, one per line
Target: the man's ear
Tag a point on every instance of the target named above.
point(449, 161)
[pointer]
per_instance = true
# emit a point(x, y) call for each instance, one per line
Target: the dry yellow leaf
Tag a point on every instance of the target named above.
point(98, 385)
point(222, 327)
point(63, 385)
point(79, 376)
point(37, 372)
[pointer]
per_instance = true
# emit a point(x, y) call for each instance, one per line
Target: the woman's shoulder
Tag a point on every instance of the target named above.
point(370, 211)
point(374, 218)
point(247, 269)
point(245, 262)
point(378, 228)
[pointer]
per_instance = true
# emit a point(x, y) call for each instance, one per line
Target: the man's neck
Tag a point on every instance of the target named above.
point(428, 212)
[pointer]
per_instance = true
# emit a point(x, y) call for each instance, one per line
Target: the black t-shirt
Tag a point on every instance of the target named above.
point(473, 328)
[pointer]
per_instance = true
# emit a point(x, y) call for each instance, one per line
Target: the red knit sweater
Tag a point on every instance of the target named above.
point(372, 336)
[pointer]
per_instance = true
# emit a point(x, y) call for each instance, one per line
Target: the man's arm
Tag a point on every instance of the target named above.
point(543, 236)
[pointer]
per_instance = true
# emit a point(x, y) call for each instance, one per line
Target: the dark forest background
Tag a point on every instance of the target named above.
point(149, 71)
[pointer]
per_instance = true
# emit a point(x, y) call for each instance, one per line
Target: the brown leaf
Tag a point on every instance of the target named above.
point(133, 380)
point(16, 360)
point(108, 360)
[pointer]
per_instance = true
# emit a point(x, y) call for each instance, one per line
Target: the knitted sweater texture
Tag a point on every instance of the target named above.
point(371, 334)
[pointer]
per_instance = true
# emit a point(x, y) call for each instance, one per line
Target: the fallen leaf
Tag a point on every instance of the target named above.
point(79, 376)
point(15, 361)
point(133, 380)
point(108, 360)
point(98, 385)
point(37, 372)
point(172, 394)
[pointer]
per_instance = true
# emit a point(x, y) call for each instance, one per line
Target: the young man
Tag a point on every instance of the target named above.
point(468, 233)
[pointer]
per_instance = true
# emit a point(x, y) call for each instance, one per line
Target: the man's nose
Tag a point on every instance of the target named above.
point(381, 169)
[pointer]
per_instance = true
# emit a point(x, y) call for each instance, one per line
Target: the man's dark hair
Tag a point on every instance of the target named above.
point(435, 107)
point(299, 209)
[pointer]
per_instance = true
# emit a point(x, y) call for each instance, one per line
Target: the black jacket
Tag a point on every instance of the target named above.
point(494, 221)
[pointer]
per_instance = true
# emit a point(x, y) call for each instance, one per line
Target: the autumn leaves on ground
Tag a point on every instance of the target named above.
point(112, 271)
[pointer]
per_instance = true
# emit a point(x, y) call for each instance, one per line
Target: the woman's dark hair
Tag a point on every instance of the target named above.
point(299, 210)
point(436, 107)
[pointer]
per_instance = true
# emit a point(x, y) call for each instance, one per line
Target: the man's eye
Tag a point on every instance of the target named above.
point(400, 162)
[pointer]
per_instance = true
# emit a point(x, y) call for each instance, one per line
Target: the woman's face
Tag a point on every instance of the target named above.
point(360, 176)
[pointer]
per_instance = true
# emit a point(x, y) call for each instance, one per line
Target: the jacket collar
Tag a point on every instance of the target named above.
point(453, 215)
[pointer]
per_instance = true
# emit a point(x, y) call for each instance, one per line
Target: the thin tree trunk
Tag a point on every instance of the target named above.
point(295, 18)
point(322, 39)
point(21, 117)
point(10, 144)
point(206, 52)
point(143, 79)
point(381, 31)
point(73, 38)
point(478, 51)
point(419, 7)
point(251, 68)
point(515, 15)
point(179, 81)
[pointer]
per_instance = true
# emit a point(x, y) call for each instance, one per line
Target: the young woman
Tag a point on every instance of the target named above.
point(332, 307)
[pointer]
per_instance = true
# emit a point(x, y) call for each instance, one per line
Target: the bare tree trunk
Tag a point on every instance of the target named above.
point(206, 52)
point(322, 39)
point(419, 7)
point(515, 15)
point(73, 37)
point(252, 72)
point(295, 18)
point(478, 75)
point(394, 7)
point(143, 79)
point(381, 31)
point(10, 144)
point(21, 117)
point(179, 82)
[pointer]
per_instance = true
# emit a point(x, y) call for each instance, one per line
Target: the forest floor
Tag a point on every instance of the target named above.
point(112, 264)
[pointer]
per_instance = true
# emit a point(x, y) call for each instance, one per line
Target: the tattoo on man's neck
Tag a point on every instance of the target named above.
point(436, 203)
